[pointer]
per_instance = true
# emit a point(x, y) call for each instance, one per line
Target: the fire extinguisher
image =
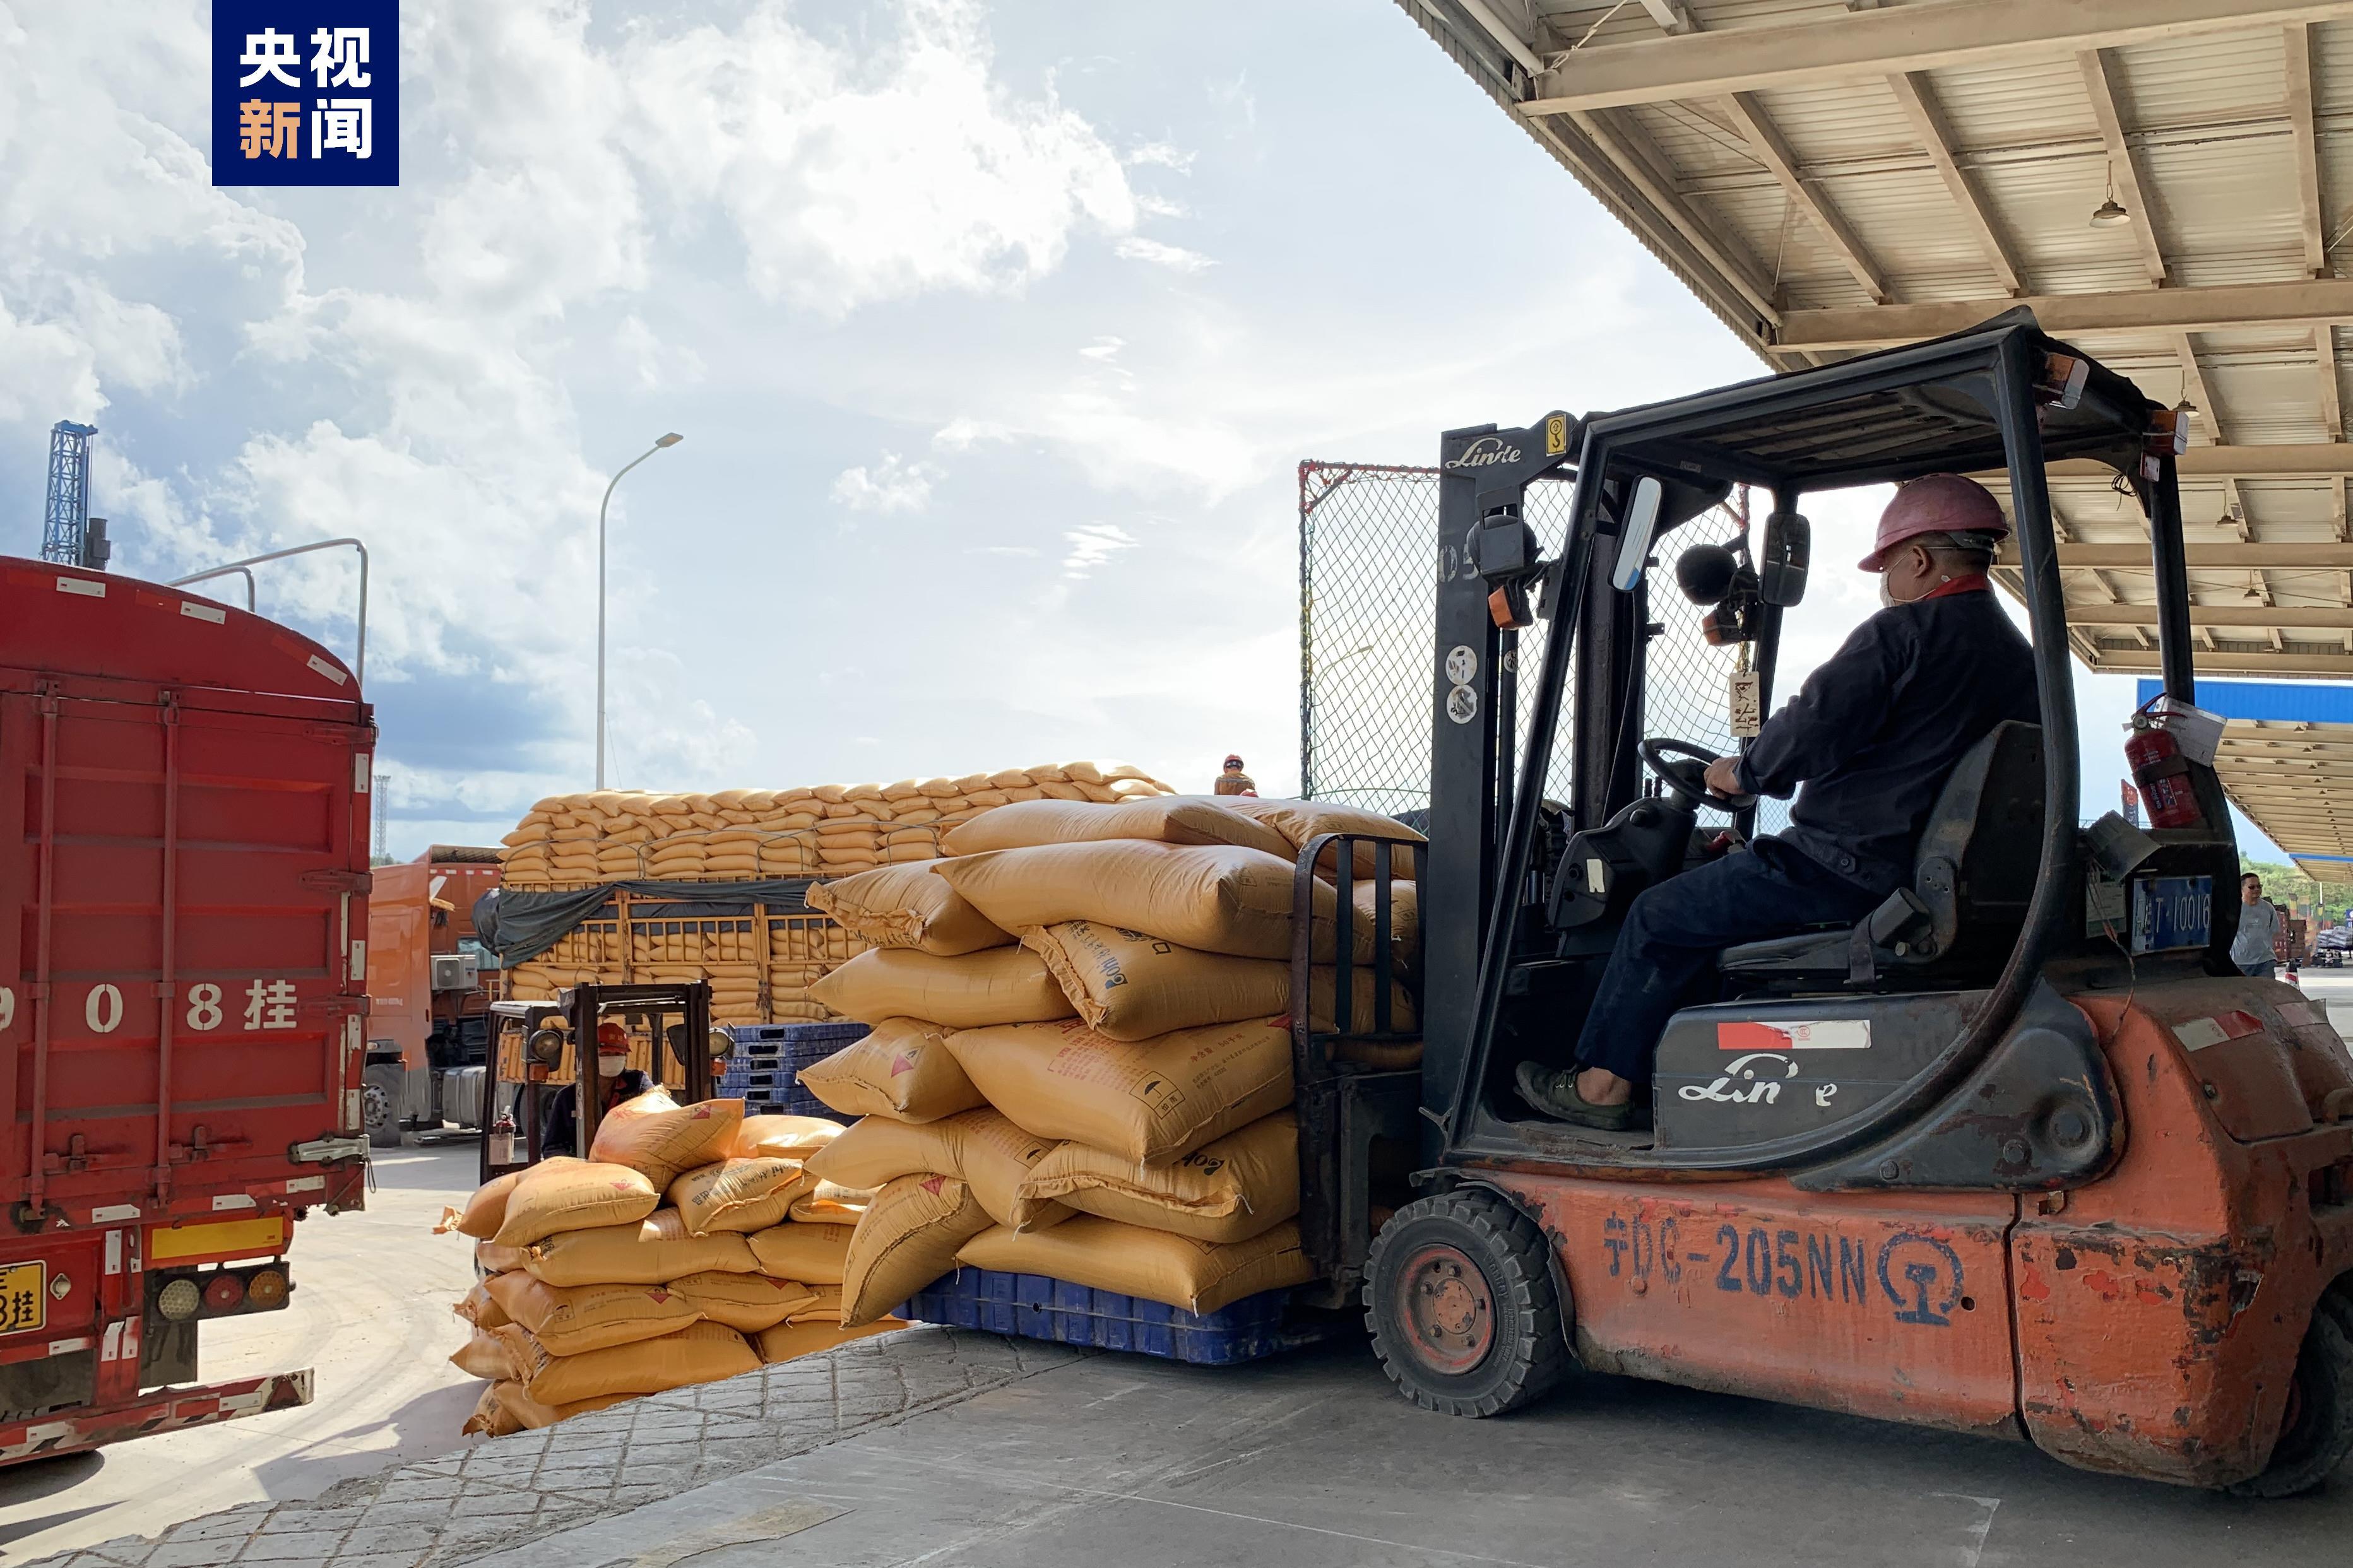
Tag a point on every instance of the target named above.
point(503, 1140)
point(2162, 774)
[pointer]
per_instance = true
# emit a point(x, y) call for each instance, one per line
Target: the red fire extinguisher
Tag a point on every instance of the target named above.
point(2161, 773)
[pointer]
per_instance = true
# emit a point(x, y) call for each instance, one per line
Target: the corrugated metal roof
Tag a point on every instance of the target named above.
point(1772, 174)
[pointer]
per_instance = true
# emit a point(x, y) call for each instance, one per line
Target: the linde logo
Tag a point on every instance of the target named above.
point(1485, 452)
point(306, 92)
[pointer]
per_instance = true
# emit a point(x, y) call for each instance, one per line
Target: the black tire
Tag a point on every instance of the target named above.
point(380, 1102)
point(1459, 1299)
point(2319, 1433)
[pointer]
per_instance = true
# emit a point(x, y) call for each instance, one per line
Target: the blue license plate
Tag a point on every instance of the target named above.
point(2172, 912)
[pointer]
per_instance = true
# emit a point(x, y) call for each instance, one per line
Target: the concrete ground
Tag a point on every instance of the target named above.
point(370, 1311)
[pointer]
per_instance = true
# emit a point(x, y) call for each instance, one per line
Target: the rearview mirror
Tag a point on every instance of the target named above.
point(1634, 538)
point(1782, 559)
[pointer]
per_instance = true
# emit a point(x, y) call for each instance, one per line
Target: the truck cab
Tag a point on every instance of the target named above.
point(430, 983)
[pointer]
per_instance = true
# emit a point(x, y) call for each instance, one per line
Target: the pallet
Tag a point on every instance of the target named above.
point(1030, 1306)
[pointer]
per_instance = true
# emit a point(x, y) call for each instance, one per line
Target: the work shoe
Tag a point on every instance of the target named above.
point(1553, 1091)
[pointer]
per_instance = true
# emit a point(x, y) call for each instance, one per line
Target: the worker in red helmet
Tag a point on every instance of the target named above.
point(562, 1133)
point(1871, 737)
point(1232, 780)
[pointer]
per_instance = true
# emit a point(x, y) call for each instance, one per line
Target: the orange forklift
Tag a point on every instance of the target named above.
point(2019, 1154)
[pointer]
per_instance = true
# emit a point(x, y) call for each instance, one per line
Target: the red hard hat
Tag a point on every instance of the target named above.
point(611, 1035)
point(1936, 503)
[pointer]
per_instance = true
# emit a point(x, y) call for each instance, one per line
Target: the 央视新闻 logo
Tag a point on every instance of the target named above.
point(306, 92)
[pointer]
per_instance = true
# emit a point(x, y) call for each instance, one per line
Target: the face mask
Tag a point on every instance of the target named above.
point(1888, 601)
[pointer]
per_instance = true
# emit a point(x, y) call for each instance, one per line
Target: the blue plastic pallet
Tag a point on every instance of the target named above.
point(1033, 1307)
point(764, 1070)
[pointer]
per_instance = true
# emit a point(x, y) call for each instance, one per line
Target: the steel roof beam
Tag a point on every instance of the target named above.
point(2123, 159)
point(1917, 98)
point(2327, 617)
point(1772, 150)
point(1619, 150)
point(2125, 660)
point(2313, 557)
point(2308, 461)
point(2298, 38)
point(1854, 46)
point(2207, 310)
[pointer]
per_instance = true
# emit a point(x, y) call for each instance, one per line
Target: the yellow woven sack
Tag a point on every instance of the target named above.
point(786, 1341)
point(1219, 898)
point(902, 1070)
point(493, 1353)
point(907, 907)
point(745, 1303)
point(1301, 820)
point(1001, 985)
point(1132, 986)
point(909, 1237)
point(530, 1415)
point(700, 1352)
point(782, 1137)
point(487, 1209)
point(1165, 820)
point(1153, 1103)
point(569, 1320)
point(648, 1253)
point(1240, 1186)
point(655, 1134)
point(489, 1419)
point(1199, 1276)
point(740, 1195)
point(812, 1253)
point(573, 1195)
point(830, 1203)
point(984, 1149)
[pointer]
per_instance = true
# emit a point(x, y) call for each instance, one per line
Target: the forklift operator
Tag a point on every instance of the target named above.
point(1872, 736)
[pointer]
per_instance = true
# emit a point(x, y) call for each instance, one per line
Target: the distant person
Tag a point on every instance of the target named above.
point(561, 1135)
point(2259, 923)
point(1233, 781)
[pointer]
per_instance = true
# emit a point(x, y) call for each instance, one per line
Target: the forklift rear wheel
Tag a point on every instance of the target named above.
point(380, 1102)
point(2316, 1432)
point(1459, 1300)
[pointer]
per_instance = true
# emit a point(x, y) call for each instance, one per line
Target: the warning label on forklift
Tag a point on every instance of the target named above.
point(1815, 1034)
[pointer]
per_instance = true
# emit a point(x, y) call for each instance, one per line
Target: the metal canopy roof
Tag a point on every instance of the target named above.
point(1835, 175)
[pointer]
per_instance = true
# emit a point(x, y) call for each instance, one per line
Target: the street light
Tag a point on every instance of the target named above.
point(673, 439)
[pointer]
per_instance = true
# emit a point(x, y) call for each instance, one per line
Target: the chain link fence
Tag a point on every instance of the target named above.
point(1368, 609)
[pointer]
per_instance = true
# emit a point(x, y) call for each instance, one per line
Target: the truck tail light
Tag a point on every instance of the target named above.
point(266, 1290)
point(223, 1293)
point(179, 1300)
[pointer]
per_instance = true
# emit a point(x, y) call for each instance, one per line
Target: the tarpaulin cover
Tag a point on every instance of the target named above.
point(520, 925)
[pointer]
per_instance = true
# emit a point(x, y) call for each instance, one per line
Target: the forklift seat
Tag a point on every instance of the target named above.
point(1971, 879)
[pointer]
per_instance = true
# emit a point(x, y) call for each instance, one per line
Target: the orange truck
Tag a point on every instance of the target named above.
point(428, 993)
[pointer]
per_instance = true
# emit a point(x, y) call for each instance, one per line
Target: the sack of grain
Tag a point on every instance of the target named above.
point(1241, 1185)
point(812, 1253)
point(489, 1419)
point(983, 1148)
point(655, 1134)
point(830, 1203)
point(902, 1070)
point(1217, 897)
point(529, 1415)
point(786, 1341)
point(574, 1195)
point(1132, 986)
point(826, 1309)
point(909, 1237)
point(782, 1137)
point(492, 1258)
point(1154, 1103)
point(650, 1253)
point(1165, 820)
point(1301, 820)
point(568, 1320)
point(1001, 985)
point(745, 1303)
point(907, 906)
point(1197, 1275)
point(740, 1195)
point(493, 1353)
point(487, 1209)
point(700, 1352)
point(479, 1308)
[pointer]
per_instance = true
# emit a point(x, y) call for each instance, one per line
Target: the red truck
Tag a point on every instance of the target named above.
point(184, 832)
point(428, 1011)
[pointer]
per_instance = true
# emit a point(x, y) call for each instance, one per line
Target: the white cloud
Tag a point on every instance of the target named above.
point(892, 485)
point(655, 364)
point(1160, 155)
point(1092, 544)
point(1175, 258)
point(1103, 348)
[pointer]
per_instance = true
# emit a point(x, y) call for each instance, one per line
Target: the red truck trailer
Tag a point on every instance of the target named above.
point(428, 1011)
point(183, 831)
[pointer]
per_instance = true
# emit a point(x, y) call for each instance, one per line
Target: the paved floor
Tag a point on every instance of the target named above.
point(370, 1312)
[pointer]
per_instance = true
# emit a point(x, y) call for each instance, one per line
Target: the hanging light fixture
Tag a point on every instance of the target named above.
point(2111, 211)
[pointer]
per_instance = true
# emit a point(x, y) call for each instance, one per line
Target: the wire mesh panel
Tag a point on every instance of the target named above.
point(1367, 590)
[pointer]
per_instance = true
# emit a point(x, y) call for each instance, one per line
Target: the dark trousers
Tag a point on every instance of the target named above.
point(1674, 932)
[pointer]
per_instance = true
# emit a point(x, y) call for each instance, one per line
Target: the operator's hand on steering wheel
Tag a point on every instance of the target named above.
point(1723, 776)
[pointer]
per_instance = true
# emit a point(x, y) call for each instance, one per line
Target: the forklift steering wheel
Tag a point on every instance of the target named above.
point(1683, 768)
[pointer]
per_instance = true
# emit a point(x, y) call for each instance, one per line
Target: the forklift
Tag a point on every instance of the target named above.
point(2021, 1153)
point(532, 1056)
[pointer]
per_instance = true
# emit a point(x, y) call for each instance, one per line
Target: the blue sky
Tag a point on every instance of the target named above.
point(996, 333)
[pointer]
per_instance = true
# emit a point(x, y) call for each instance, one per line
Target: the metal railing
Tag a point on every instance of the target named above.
point(359, 660)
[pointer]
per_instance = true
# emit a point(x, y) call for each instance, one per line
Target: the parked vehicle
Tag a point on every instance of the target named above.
point(428, 993)
point(183, 831)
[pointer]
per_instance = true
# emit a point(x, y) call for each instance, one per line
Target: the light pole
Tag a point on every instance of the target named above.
point(673, 439)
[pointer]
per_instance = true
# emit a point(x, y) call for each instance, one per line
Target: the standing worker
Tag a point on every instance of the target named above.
point(2250, 950)
point(1233, 781)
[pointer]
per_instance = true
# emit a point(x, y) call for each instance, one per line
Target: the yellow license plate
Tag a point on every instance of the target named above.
point(23, 1297)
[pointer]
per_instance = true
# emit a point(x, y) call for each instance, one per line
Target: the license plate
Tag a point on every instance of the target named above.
point(2172, 912)
point(23, 1297)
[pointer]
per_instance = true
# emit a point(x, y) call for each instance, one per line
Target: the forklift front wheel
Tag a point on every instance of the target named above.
point(1459, 1300)
point(2316, 1434)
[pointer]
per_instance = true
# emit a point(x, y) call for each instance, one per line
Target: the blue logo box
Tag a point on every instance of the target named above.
point(306, 92)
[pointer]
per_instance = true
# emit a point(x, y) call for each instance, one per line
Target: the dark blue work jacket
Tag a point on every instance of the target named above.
point(1874, 733)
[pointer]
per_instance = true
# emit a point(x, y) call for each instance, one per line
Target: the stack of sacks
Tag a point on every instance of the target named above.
point(725, 951)
point(578, 840)
point(1081, 1061)
point(694, 1244)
